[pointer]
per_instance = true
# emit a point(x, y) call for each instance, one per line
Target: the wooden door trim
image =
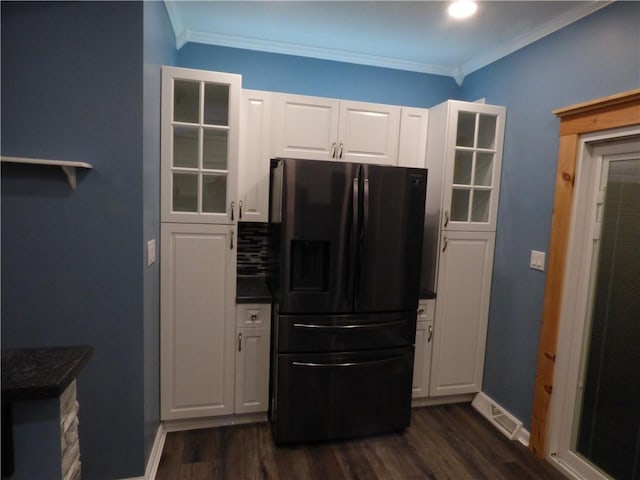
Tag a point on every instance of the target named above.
point(615, 111)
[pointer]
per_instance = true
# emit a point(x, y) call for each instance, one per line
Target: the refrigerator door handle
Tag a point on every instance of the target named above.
point(348, 327)
point(345, 364)
point(354, 236)
point(366, 206)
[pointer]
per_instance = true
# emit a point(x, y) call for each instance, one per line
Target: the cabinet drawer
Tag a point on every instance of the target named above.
point(426, 310)
point(256, 315)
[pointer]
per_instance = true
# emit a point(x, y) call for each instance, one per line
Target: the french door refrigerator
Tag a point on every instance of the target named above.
point(348, 241)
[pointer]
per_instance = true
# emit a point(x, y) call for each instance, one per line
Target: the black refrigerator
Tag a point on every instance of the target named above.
point(347, 239)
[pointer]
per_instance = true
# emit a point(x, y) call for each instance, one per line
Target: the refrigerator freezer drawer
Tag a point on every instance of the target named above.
point(331, 396)
point(344, 333)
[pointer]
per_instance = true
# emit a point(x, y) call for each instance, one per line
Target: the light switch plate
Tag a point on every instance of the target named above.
point(151, 252)
point(537, 260)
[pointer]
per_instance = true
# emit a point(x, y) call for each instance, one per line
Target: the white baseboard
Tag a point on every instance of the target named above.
point(156, 453)
point(210, 422)
point(500, 418)
point(429, 401)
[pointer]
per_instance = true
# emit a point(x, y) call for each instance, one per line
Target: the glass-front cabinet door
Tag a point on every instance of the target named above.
point(473, 164)
point(199, 145)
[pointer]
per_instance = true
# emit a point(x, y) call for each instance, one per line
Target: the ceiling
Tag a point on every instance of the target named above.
point(415, 35)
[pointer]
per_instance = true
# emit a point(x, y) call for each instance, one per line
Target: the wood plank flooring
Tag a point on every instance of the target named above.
point(443, 442)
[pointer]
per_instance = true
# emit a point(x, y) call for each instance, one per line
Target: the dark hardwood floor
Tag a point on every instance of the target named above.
point(443, 442)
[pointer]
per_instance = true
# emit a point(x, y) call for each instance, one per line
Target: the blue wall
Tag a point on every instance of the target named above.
point(322, 78)
point(159, 49)
point(592, 58)
point(72, 88)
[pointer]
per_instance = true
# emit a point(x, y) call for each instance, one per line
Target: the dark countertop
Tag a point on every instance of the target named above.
point(426, 294)
point(252, 290)
point(41, 373)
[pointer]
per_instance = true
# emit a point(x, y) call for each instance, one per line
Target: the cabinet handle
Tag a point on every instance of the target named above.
point(445, 244)
point(240, 210)
point(240, 342)
point(254, 317)
point(233, 204)
point(231, 242)
point(421, 311)
point(333, 150)
point(429, 333)
point(341, 149)
point(446, 218)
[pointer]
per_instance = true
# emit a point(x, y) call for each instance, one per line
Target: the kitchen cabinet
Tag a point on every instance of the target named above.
point(464, 158)
point(464, 286)
point(412, 147)
point(255, 155)
point(424, 341)
point(464, 150)
point(199, 148)
point(252, 358)
point(327, 129)
point(197, 317)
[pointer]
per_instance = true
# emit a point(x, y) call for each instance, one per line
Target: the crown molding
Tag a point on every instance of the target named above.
point(457, 72)
point(522, 41)
point(316, 52)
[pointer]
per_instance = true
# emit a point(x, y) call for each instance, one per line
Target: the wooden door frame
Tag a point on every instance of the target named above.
point(615, 111)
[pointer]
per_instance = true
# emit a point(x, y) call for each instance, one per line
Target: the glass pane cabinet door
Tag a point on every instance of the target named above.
point(475, 170)
point(199, 153)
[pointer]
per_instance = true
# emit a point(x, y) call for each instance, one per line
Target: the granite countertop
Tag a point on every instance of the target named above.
point(426, 294)
point(41, 373)
point(252, 290)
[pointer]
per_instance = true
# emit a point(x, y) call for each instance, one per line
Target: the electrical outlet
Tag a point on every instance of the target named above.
point(537, 260)
point(151, 252)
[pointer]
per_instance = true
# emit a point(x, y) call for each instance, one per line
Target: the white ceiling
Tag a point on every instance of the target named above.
point(406, 35)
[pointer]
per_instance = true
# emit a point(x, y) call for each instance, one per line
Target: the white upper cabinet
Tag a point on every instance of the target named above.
point(200, 128)
point(328, 129)
point(255, 155)
point(412, 149)
point(469, 138)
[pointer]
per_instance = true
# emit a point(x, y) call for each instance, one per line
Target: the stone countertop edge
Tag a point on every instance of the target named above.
point(252, 290)
point(41, 373)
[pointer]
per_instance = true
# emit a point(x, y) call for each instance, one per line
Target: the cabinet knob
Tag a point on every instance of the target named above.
point(421, 311)
point(254, 317)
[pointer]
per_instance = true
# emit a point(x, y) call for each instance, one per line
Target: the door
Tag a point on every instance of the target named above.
point(596, 419)
point(197, 320)
point(321, 396)
point(464, 284)
point(305, 127)
point(200, 132)
point(390, 243)
point(473, 166)
point(368, 133)
point(252, 370)
point(317, 237)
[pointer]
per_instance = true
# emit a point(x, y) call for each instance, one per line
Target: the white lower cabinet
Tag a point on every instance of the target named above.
point(464, 285)
point(198, 281)
point(422, 359)
point(252, 358)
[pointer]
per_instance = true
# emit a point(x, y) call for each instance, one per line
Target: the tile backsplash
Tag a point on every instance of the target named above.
point(253, 249)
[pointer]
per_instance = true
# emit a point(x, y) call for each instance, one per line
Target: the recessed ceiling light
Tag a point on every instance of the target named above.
point(462, 8)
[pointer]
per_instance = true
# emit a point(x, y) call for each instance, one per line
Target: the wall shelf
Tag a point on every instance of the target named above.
point(68, 167)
